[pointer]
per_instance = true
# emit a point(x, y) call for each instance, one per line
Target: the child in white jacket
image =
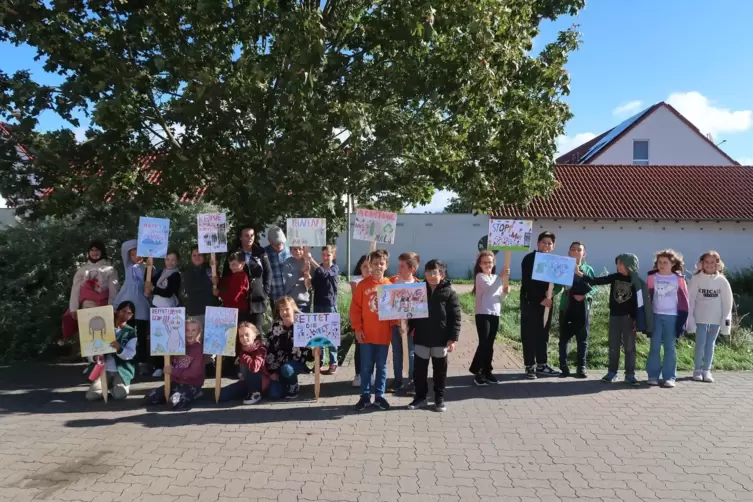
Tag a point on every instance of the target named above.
point(710, 311)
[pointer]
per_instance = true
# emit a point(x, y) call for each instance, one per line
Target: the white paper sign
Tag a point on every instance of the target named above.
point(311, 232)
point(316, 330)
point(377, 226)
point(212, 229)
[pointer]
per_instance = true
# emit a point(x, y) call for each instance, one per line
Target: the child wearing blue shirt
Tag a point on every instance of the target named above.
point(324, 283)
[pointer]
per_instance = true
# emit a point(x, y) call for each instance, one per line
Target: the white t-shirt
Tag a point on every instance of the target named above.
point(665, 294)
point(489, 294)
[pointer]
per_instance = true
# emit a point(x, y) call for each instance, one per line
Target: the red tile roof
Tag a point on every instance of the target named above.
point(697, 193)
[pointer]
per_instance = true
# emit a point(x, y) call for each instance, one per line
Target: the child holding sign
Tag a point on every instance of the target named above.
point(133, 291)
point(284, 360)
point(297, 273)
point(254, 379)
point(186, 373)
point(324, 282)
point(407, 265)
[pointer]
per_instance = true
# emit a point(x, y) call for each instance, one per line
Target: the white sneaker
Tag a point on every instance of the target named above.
point(670, 384)
point(707, 376)
point(252, 398)
point(698, 376)
point(653, 381)
point(158, 373)
point(356, 381)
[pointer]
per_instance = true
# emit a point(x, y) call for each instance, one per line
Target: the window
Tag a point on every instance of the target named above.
point(640, 152)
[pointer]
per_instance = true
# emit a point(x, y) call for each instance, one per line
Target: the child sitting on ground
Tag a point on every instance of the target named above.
point(407, 266)
point(435, 335)
point(285, 361)
point(254, 379)
point(186, 373)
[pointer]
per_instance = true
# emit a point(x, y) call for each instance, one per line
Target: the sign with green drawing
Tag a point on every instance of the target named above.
point(376, 226)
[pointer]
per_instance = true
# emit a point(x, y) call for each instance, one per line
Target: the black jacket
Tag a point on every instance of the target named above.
point(259, 279)
point(197, 289)
point(532, 293)
point(443, 323)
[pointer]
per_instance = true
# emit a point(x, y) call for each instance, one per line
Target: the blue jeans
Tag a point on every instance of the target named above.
point(397, 355)
point(374, 355)
point(332, 351)
point(705, 341)
point(665, 333)
point(238, 390)
point(287, 381)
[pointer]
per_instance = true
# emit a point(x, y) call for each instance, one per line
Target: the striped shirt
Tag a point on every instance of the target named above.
point(277, 262)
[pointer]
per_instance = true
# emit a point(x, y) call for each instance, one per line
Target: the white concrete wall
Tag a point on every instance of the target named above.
point(670, 142)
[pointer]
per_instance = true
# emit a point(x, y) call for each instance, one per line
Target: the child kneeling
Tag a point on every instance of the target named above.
point(186, 373)
point(435, 335)
point(120, 367)
point(254, 380)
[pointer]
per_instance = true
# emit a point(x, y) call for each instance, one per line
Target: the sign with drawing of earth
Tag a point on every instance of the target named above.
point(316, 330)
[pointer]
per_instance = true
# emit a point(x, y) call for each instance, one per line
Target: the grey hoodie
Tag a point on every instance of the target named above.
point(133, 283)
point(295, 286)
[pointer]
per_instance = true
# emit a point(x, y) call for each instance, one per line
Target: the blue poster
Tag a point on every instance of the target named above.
point(554, 268)
point(153, 235)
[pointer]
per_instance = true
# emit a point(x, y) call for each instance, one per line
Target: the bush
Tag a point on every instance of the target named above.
point(38, 261)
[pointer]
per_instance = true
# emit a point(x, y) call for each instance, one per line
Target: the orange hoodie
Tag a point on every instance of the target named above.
point(364, 313)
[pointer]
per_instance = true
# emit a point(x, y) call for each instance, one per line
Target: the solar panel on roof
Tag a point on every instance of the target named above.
point(612, 134)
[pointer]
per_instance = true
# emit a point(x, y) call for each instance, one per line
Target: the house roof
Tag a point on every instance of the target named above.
point(589, 151)
point(627, 192)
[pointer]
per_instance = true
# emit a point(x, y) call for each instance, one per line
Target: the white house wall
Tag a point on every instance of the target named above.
point(670, 142)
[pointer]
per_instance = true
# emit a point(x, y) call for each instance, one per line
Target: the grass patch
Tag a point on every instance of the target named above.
point(733, 354)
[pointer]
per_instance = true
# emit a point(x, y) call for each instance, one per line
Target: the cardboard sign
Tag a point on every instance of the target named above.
point(554, 269)
point(316, 330)
point(377, 226)
point(509, 235)
point(220, 331)
point(167, 331)
point(310, 232)
point(402, 301)
point(153, 237)
point(96, 330)
point(212, 229)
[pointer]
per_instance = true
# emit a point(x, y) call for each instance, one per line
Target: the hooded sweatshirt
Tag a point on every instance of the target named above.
point(197, 289)
point(189, 368)
point(710, 302)
point(94, 281)
point(295, 285)
point(133, 285)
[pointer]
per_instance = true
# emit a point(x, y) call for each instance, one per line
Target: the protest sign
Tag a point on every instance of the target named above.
point(153, 237)
point(316, 330)
point(402, 301)
point(167, 331)
point(220, 331)
point(212, 232)
point(509, 235)
point(311, 232)
point(96, 330)
point(375, 226)
point(553, 268)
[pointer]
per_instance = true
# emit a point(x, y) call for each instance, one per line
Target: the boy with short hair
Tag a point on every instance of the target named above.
point(435, 335)
point(324, 285)
point(575, 306)
point(534, 332)
point(407, 265)
point(373, 335)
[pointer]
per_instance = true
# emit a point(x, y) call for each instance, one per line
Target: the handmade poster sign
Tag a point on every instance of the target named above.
point(311, 232)
point(212, 232)
point(375, 226)
point(402, 301)
point(167, 331)
point(509, 235)
point(153, 237)
point(220, 331)
point(96, 330)
point(554, 268)
point(316, 330)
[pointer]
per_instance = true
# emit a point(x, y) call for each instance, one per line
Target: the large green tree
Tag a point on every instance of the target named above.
point(281, 107)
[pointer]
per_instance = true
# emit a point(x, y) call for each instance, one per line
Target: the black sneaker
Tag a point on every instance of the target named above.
point(396, 386)
point(581, 372)
point(564, 372)
point(363, 403)
point(418, 402)
point(382, 403)
point(490, 378)
point(545, 369)
point(410, 388)
point(531, 373)
point(479, 381)
point(439, 405)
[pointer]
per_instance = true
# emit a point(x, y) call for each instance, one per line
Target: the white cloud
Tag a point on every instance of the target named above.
point(627, 108)
point(745, 161)
point(438, 202)
point(699, 110)
point(3, 203)
point(567, 143)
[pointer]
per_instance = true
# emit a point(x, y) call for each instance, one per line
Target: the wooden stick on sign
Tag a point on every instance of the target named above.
point(372, 246)
point(506, 278)
point(317, 371)
point(167, 380)
point(218, 378)
point(404, 337)
point(148, 282)
point(103, 380)
point(548, 295)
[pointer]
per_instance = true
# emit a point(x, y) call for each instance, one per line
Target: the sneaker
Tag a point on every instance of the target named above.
point(531, 373)
point(252, 398)
point(175, 400)
point(631, 380)
point(410, 388)
point(382, 403)
point(418, 402)
point(158, 373)
point(397, 386)
point(491, 378)
point(670, 384)
point(609, 377)
point(698, 376)
point(564, 372)
point(581, 372)
point(707, 376)
point(439, 405)
point(653, 382)
point(479, 381)
point(332, 369)
point(356, 381)
point(545, 369)
point(363, 403)
point(291, 396)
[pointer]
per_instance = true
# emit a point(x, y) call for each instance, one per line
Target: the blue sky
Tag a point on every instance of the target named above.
point(695, 54)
